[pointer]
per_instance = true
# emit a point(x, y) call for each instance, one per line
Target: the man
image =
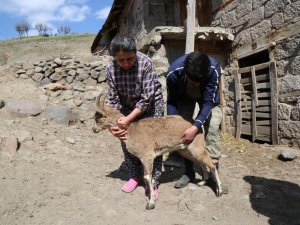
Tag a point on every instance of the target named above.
point(134, 89)
point(195, 78)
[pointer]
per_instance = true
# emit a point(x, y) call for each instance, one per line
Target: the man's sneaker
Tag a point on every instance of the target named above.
point(183, 181)
point(131, 185)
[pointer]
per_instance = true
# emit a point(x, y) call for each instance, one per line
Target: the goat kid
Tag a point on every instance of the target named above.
point(152, 137)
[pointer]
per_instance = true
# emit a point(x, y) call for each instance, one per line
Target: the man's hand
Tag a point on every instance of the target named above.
point(189, 135)
point(123, 122)
point(118, 132)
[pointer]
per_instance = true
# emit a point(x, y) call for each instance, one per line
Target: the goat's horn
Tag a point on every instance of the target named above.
point(100, 101)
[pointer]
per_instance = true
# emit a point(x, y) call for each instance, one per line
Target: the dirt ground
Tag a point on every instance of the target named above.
point(51, 182)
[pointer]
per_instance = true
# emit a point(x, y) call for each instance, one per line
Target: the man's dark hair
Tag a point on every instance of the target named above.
point(197, 67)
point(122, 43)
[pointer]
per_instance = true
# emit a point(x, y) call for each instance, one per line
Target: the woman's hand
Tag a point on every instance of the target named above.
point(123, 122)
point(189, 135)
point(118, 132)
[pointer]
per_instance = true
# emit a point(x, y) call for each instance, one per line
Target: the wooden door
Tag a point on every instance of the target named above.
point(257, 102)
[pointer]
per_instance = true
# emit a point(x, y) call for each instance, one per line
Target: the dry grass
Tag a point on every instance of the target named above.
point(230, 143)
point(40, 38)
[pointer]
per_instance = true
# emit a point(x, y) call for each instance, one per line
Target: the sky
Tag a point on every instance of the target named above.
point(82, 16)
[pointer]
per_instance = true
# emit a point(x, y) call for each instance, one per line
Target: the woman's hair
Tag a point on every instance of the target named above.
point(122, 43)
point(197, 67)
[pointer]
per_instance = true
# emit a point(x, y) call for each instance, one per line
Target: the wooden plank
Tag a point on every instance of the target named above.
point(261, 77)
point(238, 119)
point(259, 123)
point(274, 102)
point(264, 95)
point(261, 130)
point(258, 109)
point(263, 138)
point(254, 87)
point(258, 115)
point(190, 26)
point(254, 130)
point(263, 85)
point(246, 92)
point(257, 67)
point(260, 102)
point(263, 109)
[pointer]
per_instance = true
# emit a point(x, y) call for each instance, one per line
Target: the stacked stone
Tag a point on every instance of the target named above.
point(64, 70)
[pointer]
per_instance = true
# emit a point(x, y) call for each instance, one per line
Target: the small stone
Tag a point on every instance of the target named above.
point(287, 155)
point(70, 140)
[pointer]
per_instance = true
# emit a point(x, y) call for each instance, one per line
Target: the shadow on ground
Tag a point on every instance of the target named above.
point(120, 173)
point(276, 199)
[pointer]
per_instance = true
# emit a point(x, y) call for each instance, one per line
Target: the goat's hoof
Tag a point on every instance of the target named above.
point(202, 183)
point(219, 194)
point(150, 206)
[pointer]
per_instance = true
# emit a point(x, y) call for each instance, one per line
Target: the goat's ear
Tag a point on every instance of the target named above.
point(98, 115)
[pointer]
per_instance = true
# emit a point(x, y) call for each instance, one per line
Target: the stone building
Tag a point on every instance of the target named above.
point(256, 42)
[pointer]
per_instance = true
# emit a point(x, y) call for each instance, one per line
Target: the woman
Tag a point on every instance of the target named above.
point(135, 90)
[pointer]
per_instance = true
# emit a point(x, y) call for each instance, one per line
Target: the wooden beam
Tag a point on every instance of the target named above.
point(259, 123)
point(257, 67)
point(190, 26)
point(261, 130)
point(254, 88)
point(262, 77)
point(260, 102)
point(274, 102)
point(254, 130)
point(238, 120)
point(247, 115)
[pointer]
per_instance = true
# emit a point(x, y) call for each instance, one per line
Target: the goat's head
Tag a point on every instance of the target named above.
point(102, 119)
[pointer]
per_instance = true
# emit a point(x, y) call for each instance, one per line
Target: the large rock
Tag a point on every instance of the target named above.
point(23, 107)
point(60, 114)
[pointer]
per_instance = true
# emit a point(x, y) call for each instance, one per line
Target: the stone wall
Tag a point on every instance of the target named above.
point(288, 65)
point(254, 19)
point(64, 70)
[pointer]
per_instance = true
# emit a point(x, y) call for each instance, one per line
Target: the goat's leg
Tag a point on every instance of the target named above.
point(188, 154)
point(197, 153)
point(216, 177)
point(205, 175)
point(148, 168)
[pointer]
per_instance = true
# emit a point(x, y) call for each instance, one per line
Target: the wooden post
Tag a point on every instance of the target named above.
point(274, 102)
point(238, 98)
point(254, 103)
point(254, 125)
point(190, 26)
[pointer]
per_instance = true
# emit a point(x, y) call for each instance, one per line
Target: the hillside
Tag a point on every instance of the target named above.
point(56, 173)
point(41, 48)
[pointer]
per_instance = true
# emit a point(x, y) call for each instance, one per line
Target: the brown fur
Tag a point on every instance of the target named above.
point(148, 138)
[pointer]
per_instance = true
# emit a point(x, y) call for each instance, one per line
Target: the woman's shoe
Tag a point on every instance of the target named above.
point(131, 185)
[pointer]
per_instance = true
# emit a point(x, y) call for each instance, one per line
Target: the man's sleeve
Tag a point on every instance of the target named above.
point(172, 99)
point(209, 97)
